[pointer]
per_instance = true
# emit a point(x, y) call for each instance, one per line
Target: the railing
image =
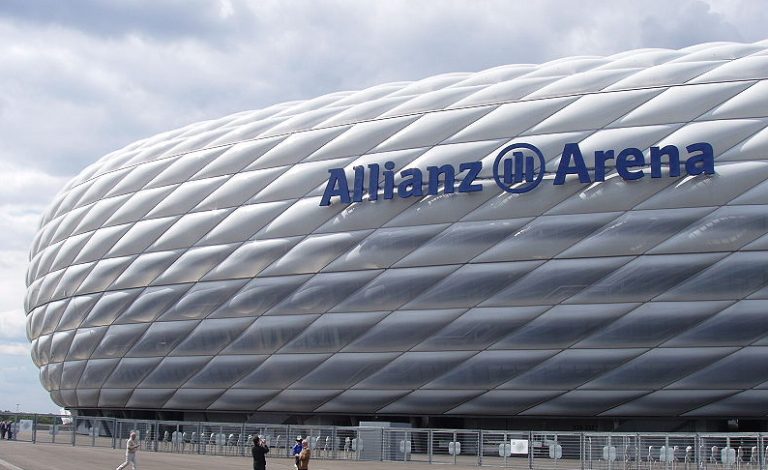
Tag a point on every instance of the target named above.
point(519, 449)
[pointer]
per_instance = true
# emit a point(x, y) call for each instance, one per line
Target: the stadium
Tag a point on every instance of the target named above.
point(581, 243)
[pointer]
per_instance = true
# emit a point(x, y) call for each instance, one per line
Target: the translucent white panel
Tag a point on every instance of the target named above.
point(41, 263)
point(129, 372)
point(104, 273)
point(500, 402)
point(393, 288)
point(211, 336)
point(461, 242)
point(361, 138)
point(727, 229)
point(658, 367)
point(718, 51)
point(189, 229)
point(113, 398)
point(432, 128)
point(384, 247)
point(299, 180)
point(151, 303)
point(323, 292)
point(201, 300)
point(645, 278)
point(223, 371)
point(664, 75)
point(566, 66)
point(545, 237)
point(70, 374)
point(140, 236)
point(299, 400)
point(240, 188)
point(71, 279)
point(401, 330)
point(53, 314)
point(710, 191)
point(555, 281)
point(35, 321)
point(344, 370)
point(594, 111)
point(472, 284)
point(118, 340)
point(732, 278)
point(281, 370)
point(748, 403)
point(99, 186)
point(251, 258)
point(751, 102)
point(186, 196)
point(635, 232)
point(138, 204)
point(364, 111)
point(479, 328)
point(242, 399)
point(101, 242)
point(259, 296)
point(301, 218)
point(109, 306)
point(742, 370)
point(51, 375)
point(296, 147)
point(429, 401)
point(161, 337)
point(96, 372)
point(743, 68)
point(443, 207)
point(84, 342)
point(76, 310)
point(139, 176)
point(509, 90)
point(498, 74)
point(185, 166)
point(99, 213)
point(511, 119)
point(43, 349)
point(488, 369)
point(243, 222)
point(581, 403)
point(413, 369)
point(60, 342)
point(269, 333)
point(563, 325)
point(571, 368)
point(682, 104)
point(69, 249)
point(314, 253)
point(584, 82)
point(43, 289)
point(360, 401)
point(434, 100)
point(667, 403)
point(194, 263)
point(150, 398)
point(145, 268)
point(172, 372)
point(652, 323)
point(237, 157)
point(364, 215)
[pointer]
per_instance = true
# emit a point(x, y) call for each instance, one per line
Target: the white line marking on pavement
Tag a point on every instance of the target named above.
point(9, 465)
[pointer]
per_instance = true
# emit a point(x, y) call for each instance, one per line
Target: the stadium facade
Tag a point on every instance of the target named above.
point(584, 240)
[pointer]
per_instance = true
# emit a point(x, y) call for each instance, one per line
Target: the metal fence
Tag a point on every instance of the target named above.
point(518, 449)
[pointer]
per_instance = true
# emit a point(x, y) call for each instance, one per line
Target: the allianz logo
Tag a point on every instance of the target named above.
point(518, 168)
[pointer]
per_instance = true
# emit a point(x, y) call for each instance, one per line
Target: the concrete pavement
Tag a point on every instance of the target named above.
point(17, 455)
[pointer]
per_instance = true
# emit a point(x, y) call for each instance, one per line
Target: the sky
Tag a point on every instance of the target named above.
point(80, 79)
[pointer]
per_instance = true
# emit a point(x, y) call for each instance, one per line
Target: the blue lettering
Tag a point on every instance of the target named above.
point(571, 151)
point(337, 186)
point(473, 169)
point(630, 158)
point(702, 163)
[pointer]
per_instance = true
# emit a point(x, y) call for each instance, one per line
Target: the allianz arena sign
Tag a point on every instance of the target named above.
point(518, 168)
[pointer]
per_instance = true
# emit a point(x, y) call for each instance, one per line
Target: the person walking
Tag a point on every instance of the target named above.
point(304, 455)
point(296, 450)
point(259, 451)
point(131, 448)
point(2, 429)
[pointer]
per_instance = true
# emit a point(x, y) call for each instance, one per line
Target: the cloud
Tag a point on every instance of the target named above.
point(12, 325)
point(14, 349)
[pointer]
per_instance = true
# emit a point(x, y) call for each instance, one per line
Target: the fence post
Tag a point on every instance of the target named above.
point(34, 429)
point(530, 449)
point(761, 451)
point(429, 445)
point(479, 447)
point(581, 449)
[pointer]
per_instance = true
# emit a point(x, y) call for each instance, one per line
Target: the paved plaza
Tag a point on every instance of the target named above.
point(16, 455)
